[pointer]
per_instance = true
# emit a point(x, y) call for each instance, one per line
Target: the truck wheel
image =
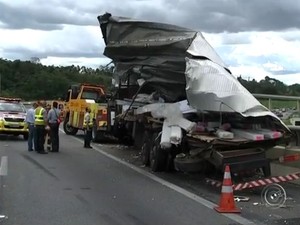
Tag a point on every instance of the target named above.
point(146, 147)
point(157, 155)
point(69, 130)
point(170, 162)
point(25, 137)
point(120, 131)
point(188, 164)
point(267, 170)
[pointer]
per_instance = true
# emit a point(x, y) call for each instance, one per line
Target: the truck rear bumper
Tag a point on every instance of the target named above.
point(264, 164)
point(242, 160)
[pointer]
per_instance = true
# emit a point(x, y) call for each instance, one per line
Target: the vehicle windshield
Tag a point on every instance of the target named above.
point(89, 94)
point(11, 107)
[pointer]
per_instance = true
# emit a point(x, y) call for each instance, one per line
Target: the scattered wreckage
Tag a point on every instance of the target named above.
point(177, 100)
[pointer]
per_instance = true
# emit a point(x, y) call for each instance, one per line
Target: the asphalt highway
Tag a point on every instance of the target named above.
point(107, 185)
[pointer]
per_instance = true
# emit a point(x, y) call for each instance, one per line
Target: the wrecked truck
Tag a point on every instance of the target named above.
point(176, 100)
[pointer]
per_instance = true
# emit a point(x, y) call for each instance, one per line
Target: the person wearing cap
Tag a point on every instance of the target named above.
point(88, 126)
point(30, 118)
point(40, 124)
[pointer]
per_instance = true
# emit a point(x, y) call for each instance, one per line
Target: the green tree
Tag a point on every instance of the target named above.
point(31, 80)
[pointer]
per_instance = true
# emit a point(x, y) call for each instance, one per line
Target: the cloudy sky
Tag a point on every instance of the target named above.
point(255, 38)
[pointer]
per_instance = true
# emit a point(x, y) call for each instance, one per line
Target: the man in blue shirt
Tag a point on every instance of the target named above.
point(53, 121)
point(30, 122)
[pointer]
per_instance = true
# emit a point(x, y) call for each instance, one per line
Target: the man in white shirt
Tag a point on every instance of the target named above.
point(88, 125)
point(30, 122)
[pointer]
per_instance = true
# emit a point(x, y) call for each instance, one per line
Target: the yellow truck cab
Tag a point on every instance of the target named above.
point(78, 98)
point(12, 117)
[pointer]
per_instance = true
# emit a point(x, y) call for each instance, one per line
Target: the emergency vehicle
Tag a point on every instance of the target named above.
point(12, 117)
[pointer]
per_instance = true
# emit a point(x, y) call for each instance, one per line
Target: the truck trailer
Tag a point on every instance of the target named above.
point(176, 100)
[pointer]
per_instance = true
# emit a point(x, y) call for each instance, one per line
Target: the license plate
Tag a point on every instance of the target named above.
point(13, 125)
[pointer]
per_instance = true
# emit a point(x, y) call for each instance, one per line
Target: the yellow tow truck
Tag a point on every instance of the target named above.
point(12, 117)
point(79, 97)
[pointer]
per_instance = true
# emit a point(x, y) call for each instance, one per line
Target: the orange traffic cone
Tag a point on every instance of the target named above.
point(227, 204)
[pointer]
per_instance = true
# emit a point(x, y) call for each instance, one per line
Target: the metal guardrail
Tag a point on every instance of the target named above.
point(278, 97)
point(295, 129)
point(281, 97)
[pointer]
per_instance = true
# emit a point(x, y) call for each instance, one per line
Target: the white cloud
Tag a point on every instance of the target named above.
point(253, 53)
point(70, 41)
point(258, 73)
point(273, 66)
point(259, 54)
point(81, 61)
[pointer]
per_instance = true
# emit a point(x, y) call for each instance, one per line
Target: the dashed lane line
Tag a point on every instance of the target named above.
point(3, 167)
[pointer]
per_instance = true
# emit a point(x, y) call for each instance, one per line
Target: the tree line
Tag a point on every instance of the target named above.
point(31, 80)
point(270, 86)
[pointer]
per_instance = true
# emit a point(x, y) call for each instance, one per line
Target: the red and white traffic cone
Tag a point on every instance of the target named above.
point(227, 204)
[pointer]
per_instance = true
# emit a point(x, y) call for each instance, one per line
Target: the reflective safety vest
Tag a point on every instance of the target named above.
point(39, 116)
point(90, 122)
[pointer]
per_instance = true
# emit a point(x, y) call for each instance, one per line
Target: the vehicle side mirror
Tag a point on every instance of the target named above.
point(102, 99)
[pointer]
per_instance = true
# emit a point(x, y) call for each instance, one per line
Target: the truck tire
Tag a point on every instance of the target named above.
point(170, 162)
point(157, 155)
point(120, 131)
point(189, 165)
point(267, 170)
point(69, 130)
point(146, 147)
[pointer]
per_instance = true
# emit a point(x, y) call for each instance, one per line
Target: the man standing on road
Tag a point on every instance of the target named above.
point(47, 135)
point(54, 120)
point(30, 118)
point(88, 125)
point(40, 123)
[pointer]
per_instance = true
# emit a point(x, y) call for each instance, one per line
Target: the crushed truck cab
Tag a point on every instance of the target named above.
point(12, 117)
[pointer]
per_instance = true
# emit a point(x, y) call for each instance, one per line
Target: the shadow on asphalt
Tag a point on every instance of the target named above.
point(11, 138)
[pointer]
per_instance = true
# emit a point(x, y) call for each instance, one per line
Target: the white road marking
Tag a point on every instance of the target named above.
point(3, 167)
point(237, 218)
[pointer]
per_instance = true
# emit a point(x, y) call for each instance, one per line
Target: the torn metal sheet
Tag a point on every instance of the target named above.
point(152, 51)
point(210, 87)
point(179, 64)
point(169, 111)
point(201, 48)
